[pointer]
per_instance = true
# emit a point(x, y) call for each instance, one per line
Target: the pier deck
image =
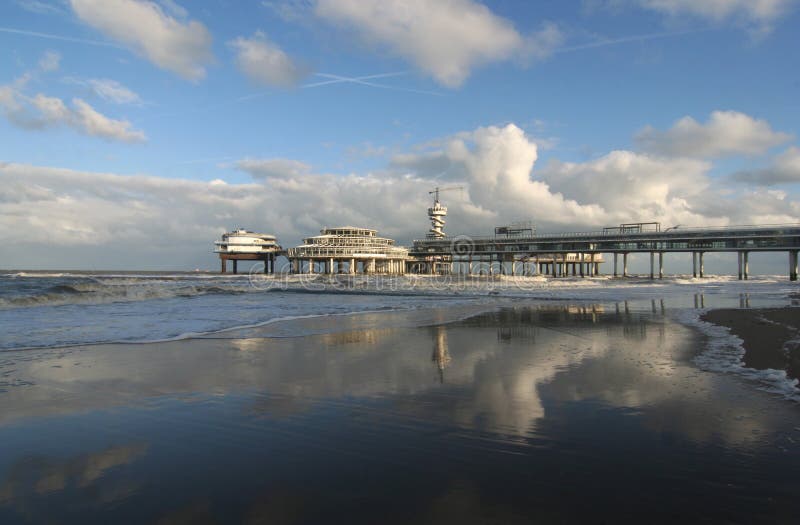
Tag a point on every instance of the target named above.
point(434, 255)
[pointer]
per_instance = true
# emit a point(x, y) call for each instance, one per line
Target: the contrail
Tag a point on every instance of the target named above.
point(626, 39)
point(49, 36)
point(339, 79)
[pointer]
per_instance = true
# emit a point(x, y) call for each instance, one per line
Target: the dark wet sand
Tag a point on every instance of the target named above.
point(540, 414)
point(770, 336)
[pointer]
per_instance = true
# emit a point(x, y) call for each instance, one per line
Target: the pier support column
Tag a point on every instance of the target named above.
point(581, 262)
point(702, 264)
point(234, 266)
point(694, 264)
point(223, 266)
point(615, 263)
point(660, 265)
point(740, 260)
point(330, 266)
point(625, 264)
point(652, 265)
point(553, 267)
point(793, 265)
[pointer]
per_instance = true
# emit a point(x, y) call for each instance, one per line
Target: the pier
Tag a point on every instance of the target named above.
point(516, 249)
point(581, 252)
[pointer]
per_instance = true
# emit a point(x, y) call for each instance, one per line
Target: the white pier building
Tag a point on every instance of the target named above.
point(244, 245)
point(348, 249)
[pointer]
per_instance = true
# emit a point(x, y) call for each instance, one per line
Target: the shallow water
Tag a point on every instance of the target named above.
point(553, 411)
point(45, 310)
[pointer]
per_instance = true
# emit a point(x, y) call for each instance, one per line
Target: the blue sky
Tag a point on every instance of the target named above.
point(125, 119)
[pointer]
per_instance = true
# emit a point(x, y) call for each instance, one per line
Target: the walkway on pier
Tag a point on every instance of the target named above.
point(434, 255)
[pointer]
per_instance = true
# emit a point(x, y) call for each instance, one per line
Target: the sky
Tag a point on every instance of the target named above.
point(134, 133)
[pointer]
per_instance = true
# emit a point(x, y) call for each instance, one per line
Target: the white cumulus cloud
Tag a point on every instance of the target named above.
point(157, 221)
point(265, 63)
point(91, 122)
point(41, 111)
point(113, 91)
point(107, 89)
point(725, 133)
point(760, 15)
point(275, 168)
point(498, 166)
point(784, 169)
point(446, 38)
point(183, 47)
point(633, 187)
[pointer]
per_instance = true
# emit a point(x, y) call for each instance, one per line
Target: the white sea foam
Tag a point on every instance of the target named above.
point(724, 352)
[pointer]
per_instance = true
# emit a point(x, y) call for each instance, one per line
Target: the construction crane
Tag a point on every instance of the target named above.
point(437, 190)
point(437, 212)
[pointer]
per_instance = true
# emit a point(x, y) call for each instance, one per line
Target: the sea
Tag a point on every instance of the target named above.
point(40, 309)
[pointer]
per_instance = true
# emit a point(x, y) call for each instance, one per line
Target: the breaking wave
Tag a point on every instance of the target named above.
point(93, 291)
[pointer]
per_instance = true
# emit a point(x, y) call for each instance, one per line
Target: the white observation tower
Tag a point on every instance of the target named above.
point(437, 213)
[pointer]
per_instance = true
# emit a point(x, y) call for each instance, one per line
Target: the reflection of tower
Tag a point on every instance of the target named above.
point(440, 354)
point(437, 213)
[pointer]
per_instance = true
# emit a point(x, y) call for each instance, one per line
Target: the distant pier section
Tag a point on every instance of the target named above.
point(245, 245)
point(554, 254)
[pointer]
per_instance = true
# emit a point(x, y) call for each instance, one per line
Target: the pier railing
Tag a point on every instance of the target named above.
point(763, 230)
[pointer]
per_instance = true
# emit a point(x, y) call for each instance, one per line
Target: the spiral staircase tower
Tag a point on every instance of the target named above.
point(436, 214)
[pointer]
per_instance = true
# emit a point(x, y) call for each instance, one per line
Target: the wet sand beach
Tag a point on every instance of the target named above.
point(770, 336)
point(550, 413)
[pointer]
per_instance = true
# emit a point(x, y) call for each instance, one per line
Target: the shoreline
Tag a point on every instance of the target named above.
point(770, 337)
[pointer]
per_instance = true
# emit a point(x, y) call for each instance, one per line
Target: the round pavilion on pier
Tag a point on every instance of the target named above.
point(348, 249)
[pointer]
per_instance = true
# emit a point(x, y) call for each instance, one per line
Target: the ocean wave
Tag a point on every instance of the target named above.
point(99, 292)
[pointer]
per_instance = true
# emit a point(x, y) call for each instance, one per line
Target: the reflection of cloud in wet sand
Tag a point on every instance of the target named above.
point(34, 476)
point(500, 371)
